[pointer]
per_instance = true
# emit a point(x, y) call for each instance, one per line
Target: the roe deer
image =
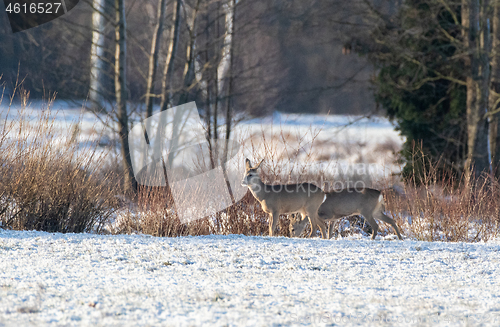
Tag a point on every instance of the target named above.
point(282, 199)
point(337, 204)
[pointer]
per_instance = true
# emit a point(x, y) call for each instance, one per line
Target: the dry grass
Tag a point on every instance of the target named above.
point(49, 182)
point(155, 214)
point(447, 209)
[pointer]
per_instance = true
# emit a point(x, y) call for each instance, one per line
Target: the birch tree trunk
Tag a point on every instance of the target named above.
point(97, 62)
point(170, 60)
point(225, 60)
point(167, 86)
point(153, 57)
point(121, 93)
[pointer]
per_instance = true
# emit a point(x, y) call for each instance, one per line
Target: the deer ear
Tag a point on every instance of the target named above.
point(248, 165)
point(258, 164)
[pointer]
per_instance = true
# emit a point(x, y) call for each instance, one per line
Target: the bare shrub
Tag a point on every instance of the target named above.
point(437, 208)
point(155, 215)
point(349, 226)
point(48, 180)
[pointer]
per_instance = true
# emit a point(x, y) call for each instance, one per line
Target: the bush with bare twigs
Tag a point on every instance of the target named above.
point(49, 181)
point(431, 207)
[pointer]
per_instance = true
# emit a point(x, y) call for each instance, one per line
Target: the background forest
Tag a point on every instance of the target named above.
point(287, 54)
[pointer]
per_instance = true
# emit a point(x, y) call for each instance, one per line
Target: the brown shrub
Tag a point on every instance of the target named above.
point(50, 182)
point(447, 209)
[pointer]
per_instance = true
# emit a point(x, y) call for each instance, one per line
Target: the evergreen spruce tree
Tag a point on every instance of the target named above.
point(419, 85)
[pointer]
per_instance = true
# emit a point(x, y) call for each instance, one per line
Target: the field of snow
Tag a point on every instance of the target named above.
point(87, 280)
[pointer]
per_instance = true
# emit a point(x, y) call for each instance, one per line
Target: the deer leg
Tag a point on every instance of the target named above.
point(313, 226)
point(273, 222)
point(323, 229)
point(390, 221)
point(316, 222)
point(330, 229)
point(373, 224)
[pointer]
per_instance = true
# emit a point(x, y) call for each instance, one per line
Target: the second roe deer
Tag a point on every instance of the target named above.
point(337, 204)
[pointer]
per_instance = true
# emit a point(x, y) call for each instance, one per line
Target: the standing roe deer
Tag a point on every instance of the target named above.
point(282, 199)
point(337, 204)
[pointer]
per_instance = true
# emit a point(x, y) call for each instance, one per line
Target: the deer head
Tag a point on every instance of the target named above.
point(297, 225)
point(250, 173)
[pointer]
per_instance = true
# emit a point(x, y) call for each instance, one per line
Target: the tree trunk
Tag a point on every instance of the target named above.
point(189, 73)
point(218, 57)
point(166, 90)
point(215, 67)
point(477, 158)
point(494, 118)
point(230, 31)
point(207, 78)
point(484, 79)
point(225, 59)
point(153, 58)
point(121, 93)
point(170, 60)
point(97, 61)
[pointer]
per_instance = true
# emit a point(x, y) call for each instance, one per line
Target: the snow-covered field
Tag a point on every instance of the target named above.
point(85, 279)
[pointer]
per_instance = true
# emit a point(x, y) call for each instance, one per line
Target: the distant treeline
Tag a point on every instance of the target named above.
point(289, 55)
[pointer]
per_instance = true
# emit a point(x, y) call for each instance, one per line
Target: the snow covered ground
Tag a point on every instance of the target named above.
point(85, 279)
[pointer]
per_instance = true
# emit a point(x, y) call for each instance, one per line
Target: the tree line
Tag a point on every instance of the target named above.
point(226, 55)
point(285, 59)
